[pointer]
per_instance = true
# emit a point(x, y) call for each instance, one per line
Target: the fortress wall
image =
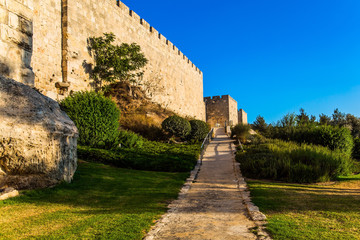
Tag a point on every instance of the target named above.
point(46, 58)
point(177, 83)
point(30, 43)
point(233, 111)
point(220, 110)
point(16, 42)
point(242, 116)
point(43, 43)
point(217, 110)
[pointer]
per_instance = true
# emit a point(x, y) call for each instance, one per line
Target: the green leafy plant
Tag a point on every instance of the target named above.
point(95, 116)
point(332, 137)
point(260, 125)
point(290, 162)
point(241, 132)
point(115, 62)
point(199, 130)
point(177, 126)
point(130, 140)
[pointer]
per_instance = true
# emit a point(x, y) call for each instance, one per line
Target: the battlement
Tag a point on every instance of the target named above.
point(155, 33)
point(218, 98)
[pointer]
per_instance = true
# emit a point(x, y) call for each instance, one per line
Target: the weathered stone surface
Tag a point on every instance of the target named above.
point(52, 42)
point(8, 193)
point(221, 109)
point(36, 138)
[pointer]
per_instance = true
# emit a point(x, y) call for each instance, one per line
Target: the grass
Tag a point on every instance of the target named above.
point(303, 211)
point(102, 203)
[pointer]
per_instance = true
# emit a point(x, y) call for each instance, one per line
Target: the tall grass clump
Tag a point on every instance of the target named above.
point(332, 137)
point(290, 162)
point(241, 131)
point(95, 116)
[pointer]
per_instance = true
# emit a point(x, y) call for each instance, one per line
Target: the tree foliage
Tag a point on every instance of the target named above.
point(115, 62)
point(259, 124)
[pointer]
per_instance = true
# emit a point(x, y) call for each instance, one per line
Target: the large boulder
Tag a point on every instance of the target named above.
point(38, 140)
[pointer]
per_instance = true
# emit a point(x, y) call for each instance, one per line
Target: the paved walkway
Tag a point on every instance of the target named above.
point(213, 207)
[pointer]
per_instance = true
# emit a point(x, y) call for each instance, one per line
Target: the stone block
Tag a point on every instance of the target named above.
point(3, 16)
point(13, 20)
point(42, 144)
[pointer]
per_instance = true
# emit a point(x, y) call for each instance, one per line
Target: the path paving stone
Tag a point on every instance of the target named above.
point(213, 208)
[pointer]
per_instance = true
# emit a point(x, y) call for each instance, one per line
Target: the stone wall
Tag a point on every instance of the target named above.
point(46, 60)
point(16, 46)
point(242, 116)
point(233, 111)
point(221, 110)
point(50, 40)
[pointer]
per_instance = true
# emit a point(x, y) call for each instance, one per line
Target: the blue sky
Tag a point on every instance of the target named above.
point(272, 56)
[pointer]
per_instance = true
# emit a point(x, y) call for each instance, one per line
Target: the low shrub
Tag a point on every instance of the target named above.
point(287, 161)
point(153, 156)
point(95, 116)
point(177, 126)
point(327, 136)
point(130, 139)
point(241, 131)
point(199, 130)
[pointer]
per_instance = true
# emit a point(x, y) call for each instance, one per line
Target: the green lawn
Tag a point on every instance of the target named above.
point(302, 211)
point(102, 203)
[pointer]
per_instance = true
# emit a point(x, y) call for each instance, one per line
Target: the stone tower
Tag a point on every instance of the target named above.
point(221, 111)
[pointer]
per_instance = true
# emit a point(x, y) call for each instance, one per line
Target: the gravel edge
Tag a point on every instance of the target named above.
point(258, 217)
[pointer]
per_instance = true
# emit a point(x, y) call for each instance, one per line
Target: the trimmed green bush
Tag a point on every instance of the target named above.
point(199, 130)
point(130, 139)
point(287, 161)
point(327, 136)
point(95, 116)
point(177, 126)
point(153, 156)
point(241, 131)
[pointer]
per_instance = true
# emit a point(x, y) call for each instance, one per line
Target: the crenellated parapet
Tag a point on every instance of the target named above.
point(154, 33)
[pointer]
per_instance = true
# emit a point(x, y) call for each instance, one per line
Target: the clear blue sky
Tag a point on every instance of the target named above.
point(272, 56)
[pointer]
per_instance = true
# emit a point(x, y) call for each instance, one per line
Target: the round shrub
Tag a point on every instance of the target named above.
point(95, 116)
point(199, 130)
point(177, 126)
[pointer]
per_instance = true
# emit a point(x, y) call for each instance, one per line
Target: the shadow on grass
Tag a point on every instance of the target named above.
point(105, 190)
point(282, 197)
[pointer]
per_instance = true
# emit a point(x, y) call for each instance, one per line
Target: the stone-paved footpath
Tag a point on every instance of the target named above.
point(213, 207)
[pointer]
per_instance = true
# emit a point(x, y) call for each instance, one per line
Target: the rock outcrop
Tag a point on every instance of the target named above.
point(37, 139)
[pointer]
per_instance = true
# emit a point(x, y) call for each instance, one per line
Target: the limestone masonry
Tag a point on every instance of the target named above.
point(37, 139)
point(222, 111)
point(43, 43)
